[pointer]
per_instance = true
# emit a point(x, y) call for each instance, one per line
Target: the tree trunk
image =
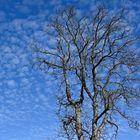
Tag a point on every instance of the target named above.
point(95, 135)
point(94, 121)
point(94, 138)
point(78, 124)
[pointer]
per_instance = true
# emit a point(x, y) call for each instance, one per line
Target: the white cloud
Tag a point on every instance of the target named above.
point(35, 2)
point(23, 9)
point(11, 83)
point(2, 16)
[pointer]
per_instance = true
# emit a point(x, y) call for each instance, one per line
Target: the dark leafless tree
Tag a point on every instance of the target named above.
point(97, 62)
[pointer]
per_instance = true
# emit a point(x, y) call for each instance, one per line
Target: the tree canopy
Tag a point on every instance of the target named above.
point(97, 61)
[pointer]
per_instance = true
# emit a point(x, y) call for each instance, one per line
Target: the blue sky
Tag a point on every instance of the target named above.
point(27, 96)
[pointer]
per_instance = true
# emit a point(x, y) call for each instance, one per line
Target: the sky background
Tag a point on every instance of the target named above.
point(27, 96)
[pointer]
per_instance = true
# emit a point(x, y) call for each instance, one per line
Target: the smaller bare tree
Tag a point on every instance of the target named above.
point(95, 58)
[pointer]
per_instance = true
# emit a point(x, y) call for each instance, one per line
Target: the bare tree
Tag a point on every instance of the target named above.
point(95, 58)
